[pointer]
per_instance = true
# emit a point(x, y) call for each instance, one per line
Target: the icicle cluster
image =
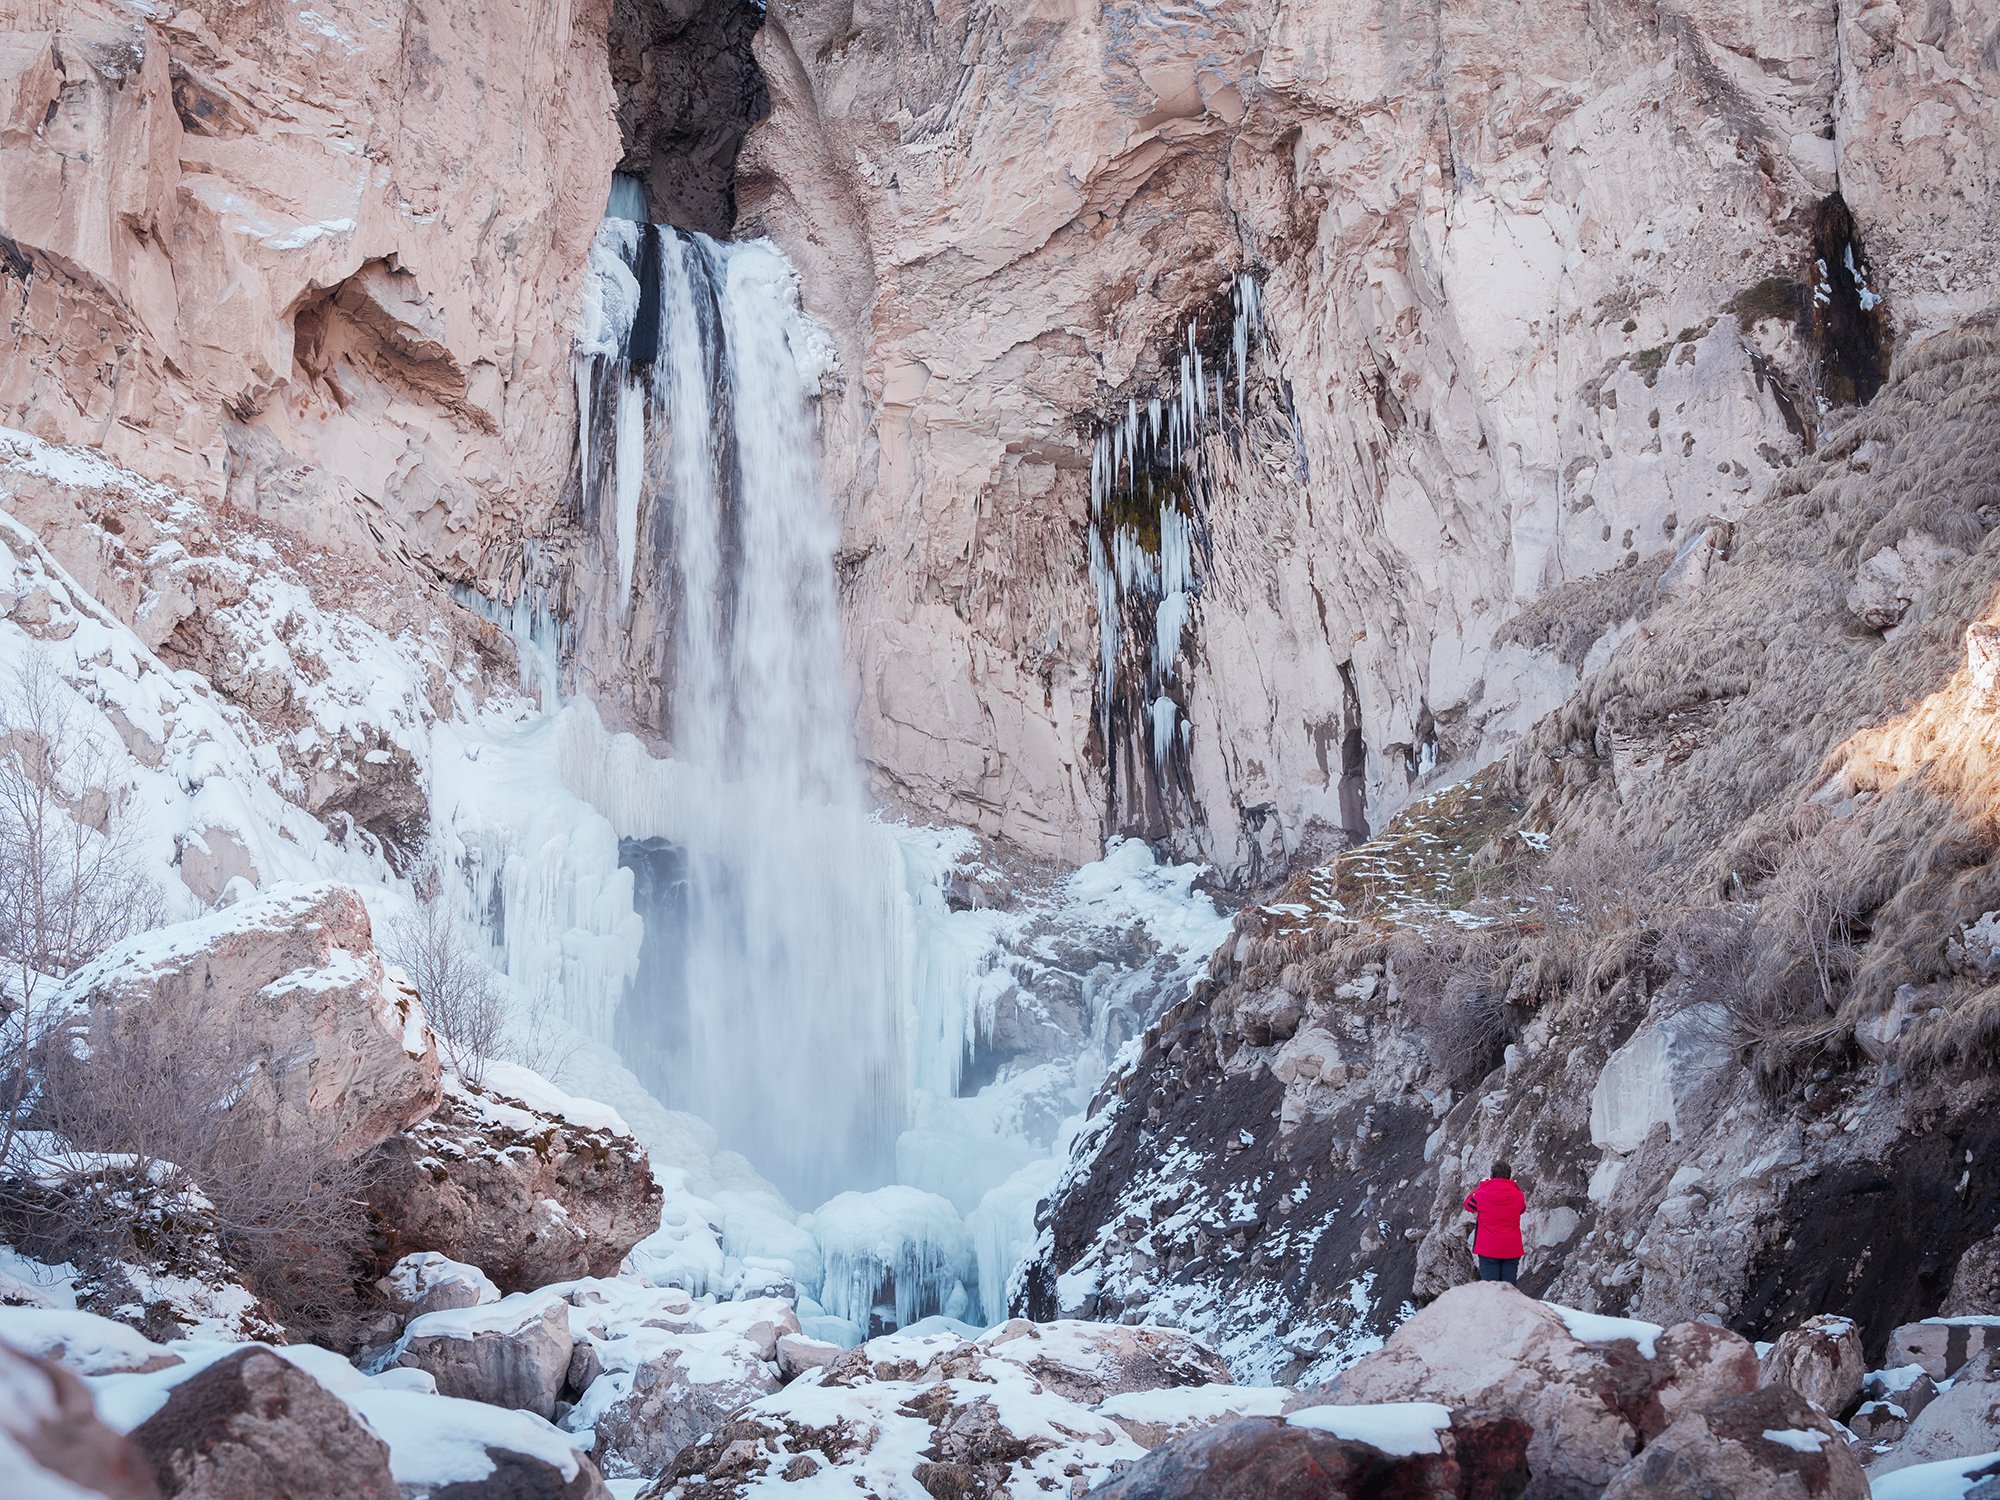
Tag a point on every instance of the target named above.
point(1149, 480)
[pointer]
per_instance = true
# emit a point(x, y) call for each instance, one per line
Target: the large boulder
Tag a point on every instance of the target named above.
point(1594, 1389)
point(253, 1426)
point(1771, 1444)
point(447, 1449)
point(427, 1282)
point(518, 1179)
point(513, 1353)
point(1821, 1359)
point(1434, 1457)
point(1963, 1419)
point(661, 1391)
point(1891, 1400)
point(288, 983)
point(51, 1441)
point(1942, 1345)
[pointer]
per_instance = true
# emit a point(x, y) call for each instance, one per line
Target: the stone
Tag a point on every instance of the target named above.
point(292, 983)
point(528, 1196)
point(1263, 1458)
point(1888, 581)
point(1975, 1285)
point(1821, 1359)
point(1982, 662)
point(1942, 1345)
point(254, 1426)
point(524, 1476)
point(798, 1354)
point(1701, 547)
point(426, 1282)
point(1962, 1420)
point(664, 1393)
point(52, 1441)
point(1591, 1403)
point(1770, 1443)
point(513, 1353)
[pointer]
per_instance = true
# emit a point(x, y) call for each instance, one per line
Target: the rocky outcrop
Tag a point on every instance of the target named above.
point(513, 1353)
point(1516, 969)
point(1593, 1390)
point(326, 271)
point(530, 1195)
point(256, 1427)
point(1409, 471)
point(290, 986)
point(51, 1441)
point(1771, 1443)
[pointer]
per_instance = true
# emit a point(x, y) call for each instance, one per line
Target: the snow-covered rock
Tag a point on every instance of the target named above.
point(290, 981)
point(892, 1256)
point(256, 1424)
point(426, 1282)
point(1947, 1479)
point(1942, 1345)
point(52, 1444)
point(519, 1179)
point(660, 1391)
point(1421, 1451)
point(83, 1342)
point(1821, 1359)
point(1890, 1399)
point(1593, 1388)
point(1965, 1418)
point(1771, 1443)
point(513, 1353)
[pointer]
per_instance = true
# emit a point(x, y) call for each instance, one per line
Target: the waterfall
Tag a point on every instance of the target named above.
point(778, 1016)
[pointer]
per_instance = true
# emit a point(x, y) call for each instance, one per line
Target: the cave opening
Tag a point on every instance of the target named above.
point(689, 89)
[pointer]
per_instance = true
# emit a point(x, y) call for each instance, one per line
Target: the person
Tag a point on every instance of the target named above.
point(1497, 1204)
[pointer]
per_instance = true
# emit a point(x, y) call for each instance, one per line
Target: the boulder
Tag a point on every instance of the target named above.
point(441, 1446)
point(1963, 1419)
point(1262, 1458)
point(1975, 1285)
point(254, 1426)
point(83, 1343)
point(1593, 1389)
point(1771, 1444)
point(1941, 1345)
point(427, 1282)
point(1821, 1359)
point(798, 1354)
point(330, 1047)
point(662, 1391)
point(1890, 580)
point(513, 1353)
point(1891, 1398)
point(525, 1476)
point(51, 1441)
point(513, 1177)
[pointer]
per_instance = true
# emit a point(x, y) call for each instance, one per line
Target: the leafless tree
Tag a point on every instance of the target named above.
point(71, 884)
point(459, 990)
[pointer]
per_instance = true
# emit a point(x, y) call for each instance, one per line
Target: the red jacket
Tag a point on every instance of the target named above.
point(1499, 1204)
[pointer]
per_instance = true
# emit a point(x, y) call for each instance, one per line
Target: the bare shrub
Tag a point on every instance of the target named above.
point(1586, 906)
point(70, 880)
point(167, 1088)
point(459, 990)
point(1447, 992)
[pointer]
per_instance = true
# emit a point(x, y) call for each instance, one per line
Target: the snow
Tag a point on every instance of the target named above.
point(1596, 1328)
point(437, 1440)
point(1950, 1479)
point(85, 1342)
point(417, 1275)
point(511, 1314)
point(1799, 1440)
point(1400, 1428)
point(1181, 1407)
point(897, 1239)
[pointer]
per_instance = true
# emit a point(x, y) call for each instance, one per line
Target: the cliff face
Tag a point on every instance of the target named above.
point(1540, 288)
point(320, 264)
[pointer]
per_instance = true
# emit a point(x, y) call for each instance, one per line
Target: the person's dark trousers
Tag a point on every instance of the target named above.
point(1493, 1269)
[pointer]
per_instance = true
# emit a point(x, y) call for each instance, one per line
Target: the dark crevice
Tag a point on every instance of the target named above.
point(689, 90)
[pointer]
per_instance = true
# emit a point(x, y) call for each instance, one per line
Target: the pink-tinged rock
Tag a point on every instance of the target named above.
point(51, 1438)
point(291, 982)
point(255, 1426)
point(1771, 1444)
point(513, 1353)
point(1821, 1359)
point(1593, 1389)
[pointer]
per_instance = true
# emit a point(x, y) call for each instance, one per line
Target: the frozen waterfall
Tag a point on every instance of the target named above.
point(777, 1012)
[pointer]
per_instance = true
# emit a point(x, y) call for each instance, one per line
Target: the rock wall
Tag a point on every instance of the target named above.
point(1541, 288)
point(322, 265)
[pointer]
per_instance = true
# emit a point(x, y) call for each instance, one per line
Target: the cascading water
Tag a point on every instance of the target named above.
point(778, 1017)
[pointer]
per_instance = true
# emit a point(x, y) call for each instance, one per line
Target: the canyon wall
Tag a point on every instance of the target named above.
point(1541, 288)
